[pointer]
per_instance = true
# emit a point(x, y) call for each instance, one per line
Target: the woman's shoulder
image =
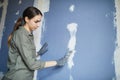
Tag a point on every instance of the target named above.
point(19, 35)
point(19, 32)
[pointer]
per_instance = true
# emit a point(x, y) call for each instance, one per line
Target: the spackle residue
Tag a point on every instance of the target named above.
point(43, 6)
point(17, 13)
point(20, 1)
point(71, 78)
point(4, 5)
point(71, 8)
point(117, 50)
point(72, 28)
point(1, 75)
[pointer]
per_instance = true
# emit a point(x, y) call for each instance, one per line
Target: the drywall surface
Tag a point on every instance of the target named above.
point(117, 50)
point(88, 27)
point(3, 5)
point(43, 6)
point(92, 42)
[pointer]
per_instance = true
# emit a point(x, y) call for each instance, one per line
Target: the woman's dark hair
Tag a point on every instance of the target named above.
point(29, 12)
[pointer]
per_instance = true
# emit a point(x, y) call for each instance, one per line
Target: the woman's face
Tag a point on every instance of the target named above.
point(33, 23)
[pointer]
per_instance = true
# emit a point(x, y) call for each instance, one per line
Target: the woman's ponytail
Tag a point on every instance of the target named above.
point(16, 26)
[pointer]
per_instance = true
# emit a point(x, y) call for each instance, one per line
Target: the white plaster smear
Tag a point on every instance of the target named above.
point(117, 50)
point(71, 78)
point(20, 1)
point(17, 12)
point(72, 28)
point(43, 6)
point(71, 8)
point(3, 17)
point(1, 75)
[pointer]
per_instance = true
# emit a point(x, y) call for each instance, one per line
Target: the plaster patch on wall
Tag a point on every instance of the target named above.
point(71, 8)
point(107, 15)
point(72, 28)
point(117, 50)
point(1, 75)
point(20, 1)
point(71, 78)
point(4, 5)
point(17, 13)
point(43, 6)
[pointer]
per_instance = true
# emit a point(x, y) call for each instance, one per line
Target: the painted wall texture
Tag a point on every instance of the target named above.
point(117, 50)
point(87, 27)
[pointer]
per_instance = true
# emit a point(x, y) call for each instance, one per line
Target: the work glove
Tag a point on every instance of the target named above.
point(43, 50)
point(62, 61)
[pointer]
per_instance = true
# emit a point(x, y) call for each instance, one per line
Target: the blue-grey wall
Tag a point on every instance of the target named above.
point(95, 44)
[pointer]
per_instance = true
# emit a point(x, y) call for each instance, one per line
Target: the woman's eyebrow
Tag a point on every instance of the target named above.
point(37, 20)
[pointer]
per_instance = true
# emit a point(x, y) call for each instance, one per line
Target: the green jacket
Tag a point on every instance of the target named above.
point(22, 56)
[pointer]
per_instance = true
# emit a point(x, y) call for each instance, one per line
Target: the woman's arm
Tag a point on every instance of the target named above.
point(59, 62)
point(50, 64)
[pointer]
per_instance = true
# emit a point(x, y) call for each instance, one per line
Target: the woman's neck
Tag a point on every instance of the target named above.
point(27, 28)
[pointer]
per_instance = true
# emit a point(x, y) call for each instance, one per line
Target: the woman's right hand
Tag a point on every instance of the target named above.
point(63, 60)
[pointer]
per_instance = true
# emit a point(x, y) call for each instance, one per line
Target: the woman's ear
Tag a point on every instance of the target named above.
point(26, 19)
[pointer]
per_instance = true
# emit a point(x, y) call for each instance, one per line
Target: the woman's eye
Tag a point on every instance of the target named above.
point(37, 21)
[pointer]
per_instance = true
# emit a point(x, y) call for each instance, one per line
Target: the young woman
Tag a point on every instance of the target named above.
point(22, 54)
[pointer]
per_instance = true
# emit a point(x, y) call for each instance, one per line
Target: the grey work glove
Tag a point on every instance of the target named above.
point(62, 61)
point(43, 50)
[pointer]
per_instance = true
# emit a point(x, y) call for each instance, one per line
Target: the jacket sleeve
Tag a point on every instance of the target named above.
point(27, 51)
